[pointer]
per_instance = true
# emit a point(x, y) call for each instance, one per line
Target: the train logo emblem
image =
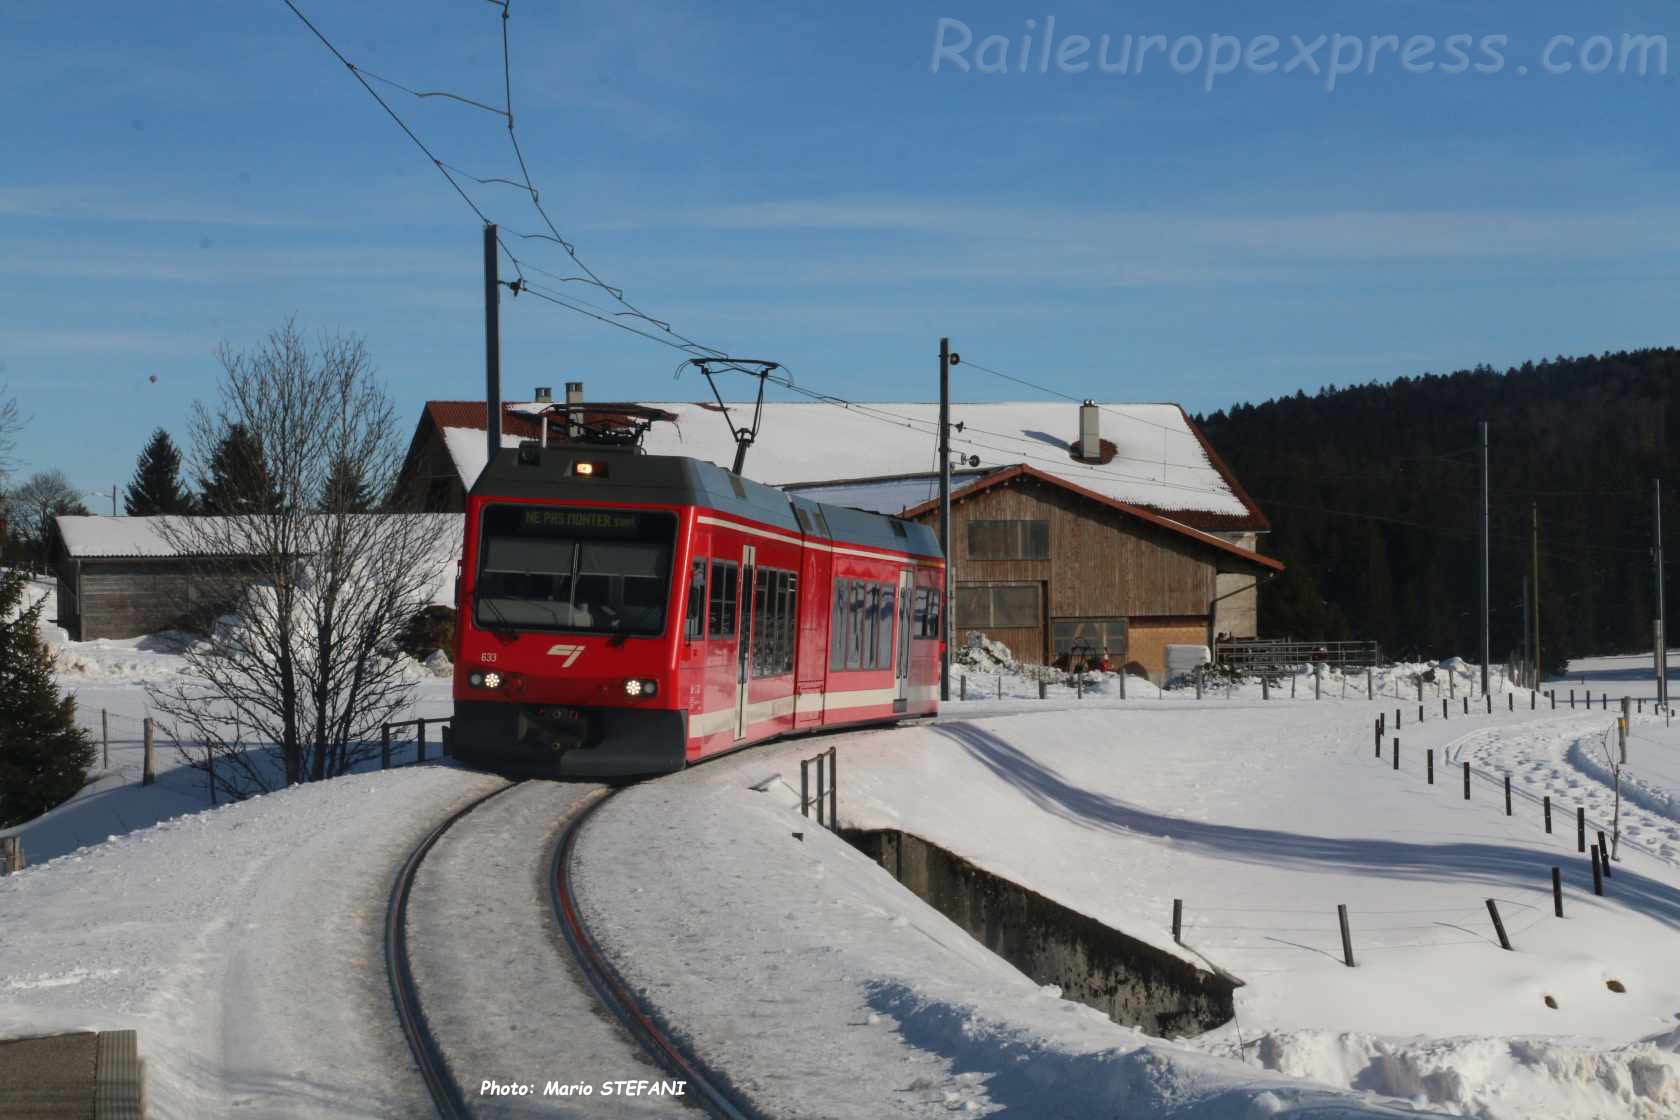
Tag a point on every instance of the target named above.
point(570, 653)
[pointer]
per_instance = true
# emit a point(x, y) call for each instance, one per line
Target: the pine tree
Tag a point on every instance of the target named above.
point(345, 491)
point(44, 756)
point(239, 481)
point(156, 488)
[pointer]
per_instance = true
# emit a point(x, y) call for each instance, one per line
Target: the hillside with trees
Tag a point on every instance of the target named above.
point(1373, 491)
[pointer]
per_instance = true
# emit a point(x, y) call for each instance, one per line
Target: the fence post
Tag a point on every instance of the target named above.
point(1467, 705)
point(1510, 701)
point(1198, 686)
point(821, 790)
point(1444, 708)
point(962, 686)
point(1580, 828)
point(1370, 683)
point(1000, 686)
point(1507, 795)
point(1572, 698)
point(1292, 685)
point(1079, 686)
point(1466, 781)
point(1431, 765)
point(420, 743)
point(834, 788)
point(1397, 754)
point(384, 746)
point(1498, 926)
point(1042, 687)
point(1420, 713)
point(1318, 681)
point(1604, 852)
point(1557, 891)
point(1397, 719)
point(805, 787)
point(1548, 803)
point(1598, 872)
point(1347, 937)
point(1265, 686)
point(1487, 697)
point(105, 735)
point(1553, 695)
point(1178, 920)
point(147, 774)
point(1122, 682)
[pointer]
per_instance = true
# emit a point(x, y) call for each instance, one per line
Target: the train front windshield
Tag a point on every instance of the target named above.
point(578, 570)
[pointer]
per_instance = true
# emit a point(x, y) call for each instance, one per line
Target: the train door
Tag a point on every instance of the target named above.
point(901, 664)
point(743, 647)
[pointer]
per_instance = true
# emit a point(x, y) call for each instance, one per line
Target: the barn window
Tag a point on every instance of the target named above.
point(1009, 540)
point(1091, 636)
point(997, 606)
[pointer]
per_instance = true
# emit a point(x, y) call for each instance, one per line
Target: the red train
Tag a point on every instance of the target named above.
point(622, 614)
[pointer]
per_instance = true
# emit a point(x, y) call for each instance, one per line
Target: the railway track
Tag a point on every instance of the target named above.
point(705, 1088)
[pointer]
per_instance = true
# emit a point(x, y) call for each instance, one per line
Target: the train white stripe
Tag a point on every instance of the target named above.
point(768, 534)
point(703, 724)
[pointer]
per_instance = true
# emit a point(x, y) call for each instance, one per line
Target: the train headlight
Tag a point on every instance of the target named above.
point(492, 680)
point(476, 680)
point(632, 688)
point(641, 688)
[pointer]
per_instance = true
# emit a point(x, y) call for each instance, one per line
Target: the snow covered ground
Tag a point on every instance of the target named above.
point(244, 940)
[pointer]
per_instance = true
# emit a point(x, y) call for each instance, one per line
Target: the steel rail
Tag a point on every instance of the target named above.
point(615, 994)
point(434, 1068)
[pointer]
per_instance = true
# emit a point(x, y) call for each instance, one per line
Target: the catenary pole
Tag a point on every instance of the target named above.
point(1534, 573)
point(1486, 642)
point(492, 350)
point(945, 515)
point(1660, 630)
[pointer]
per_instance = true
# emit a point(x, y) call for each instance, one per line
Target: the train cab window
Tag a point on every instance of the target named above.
point(694, 625)
point(566, 568)
point(721, 620)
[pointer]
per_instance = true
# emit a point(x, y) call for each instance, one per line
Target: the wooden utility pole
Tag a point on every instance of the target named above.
point(492, 350)
point(945, 515)
point(1660, 628)
point(1486, 642)
point(1534, 565)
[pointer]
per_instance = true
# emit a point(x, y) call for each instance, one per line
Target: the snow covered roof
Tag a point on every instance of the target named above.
point(122, 537)
point(86, 537)
point(871, 455)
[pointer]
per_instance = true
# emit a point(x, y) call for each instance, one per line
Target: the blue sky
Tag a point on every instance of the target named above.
point(794, 181)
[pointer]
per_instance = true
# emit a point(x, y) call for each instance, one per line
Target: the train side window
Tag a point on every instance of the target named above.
point(855, 592)
point(884, 628)
point(761, 622)
point(930, 616)
point(837, 628)
point(694, 627)
point(722, 617)
point(790, 626)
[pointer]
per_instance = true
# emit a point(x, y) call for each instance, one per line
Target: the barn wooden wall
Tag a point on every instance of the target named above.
point(1102, 563)
point(125, 598)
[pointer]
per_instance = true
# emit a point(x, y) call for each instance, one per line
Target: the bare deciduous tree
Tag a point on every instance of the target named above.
point(311, 596)
point(11, 423)
point(1608, 749)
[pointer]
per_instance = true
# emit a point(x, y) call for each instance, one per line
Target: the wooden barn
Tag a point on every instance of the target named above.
point(1043, 566)
point(119, 577)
